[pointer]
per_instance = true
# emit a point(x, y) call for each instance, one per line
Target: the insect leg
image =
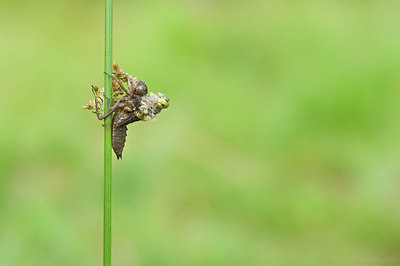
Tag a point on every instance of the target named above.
point(115, 106)
point(127, 79)
point(119, 83)
point(130, 119)
point(129, 82)
point(95, 105)
point(112, 109)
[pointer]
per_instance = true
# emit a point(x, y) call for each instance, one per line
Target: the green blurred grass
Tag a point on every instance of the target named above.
point(280, 146)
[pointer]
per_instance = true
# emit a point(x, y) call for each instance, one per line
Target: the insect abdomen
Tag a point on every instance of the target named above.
point(118, 134)
point(118, 140)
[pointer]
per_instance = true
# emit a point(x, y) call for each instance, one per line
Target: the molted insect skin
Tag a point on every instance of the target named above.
point(118, 133)
point(134, 106)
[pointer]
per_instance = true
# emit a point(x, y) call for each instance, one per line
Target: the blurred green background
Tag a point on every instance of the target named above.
point(281, 145)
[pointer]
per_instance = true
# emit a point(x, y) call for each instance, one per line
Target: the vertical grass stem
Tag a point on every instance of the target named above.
point(107, 135)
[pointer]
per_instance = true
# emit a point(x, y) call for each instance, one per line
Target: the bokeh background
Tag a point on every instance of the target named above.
point(281, 145)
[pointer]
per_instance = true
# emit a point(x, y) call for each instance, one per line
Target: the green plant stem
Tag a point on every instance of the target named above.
point(107, 135)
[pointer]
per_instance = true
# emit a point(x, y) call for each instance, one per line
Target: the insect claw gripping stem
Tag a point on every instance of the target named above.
point(108, 101)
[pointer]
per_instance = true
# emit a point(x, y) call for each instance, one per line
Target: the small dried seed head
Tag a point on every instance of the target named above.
point(116, 85)
point(116, 67)
point(89, 105)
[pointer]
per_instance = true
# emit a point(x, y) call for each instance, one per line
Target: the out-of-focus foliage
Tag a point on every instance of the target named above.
point(281, 145)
